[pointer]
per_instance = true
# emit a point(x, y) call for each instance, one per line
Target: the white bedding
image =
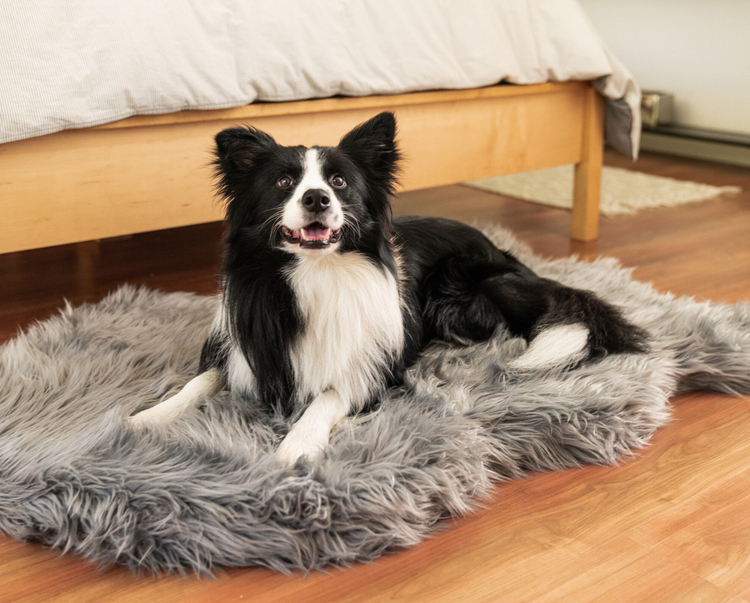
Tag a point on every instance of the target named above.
point(77, 63)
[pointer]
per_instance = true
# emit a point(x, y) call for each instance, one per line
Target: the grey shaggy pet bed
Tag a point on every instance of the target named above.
point(205, 493)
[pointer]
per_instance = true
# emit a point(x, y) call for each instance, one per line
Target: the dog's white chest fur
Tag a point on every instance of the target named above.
point(353, 325)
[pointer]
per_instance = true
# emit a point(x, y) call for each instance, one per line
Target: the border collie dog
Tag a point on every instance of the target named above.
point(327, 299)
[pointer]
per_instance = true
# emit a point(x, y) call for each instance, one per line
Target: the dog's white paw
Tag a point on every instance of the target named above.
point(309, 436)
point(161, 414)
point(189, 397)
point(297, 444)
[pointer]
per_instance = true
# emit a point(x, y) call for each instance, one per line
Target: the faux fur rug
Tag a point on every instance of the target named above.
point(623, 191)
point(205, 492)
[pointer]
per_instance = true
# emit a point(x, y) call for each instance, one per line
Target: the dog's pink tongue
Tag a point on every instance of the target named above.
point(316, 234)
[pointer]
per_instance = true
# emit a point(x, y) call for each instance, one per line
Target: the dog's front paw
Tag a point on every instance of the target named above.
point(156, 415)
point(295, 445)
point(189, 397)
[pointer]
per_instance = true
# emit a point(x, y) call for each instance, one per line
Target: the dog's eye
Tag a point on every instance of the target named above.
point(284, 182)
point(338, 181)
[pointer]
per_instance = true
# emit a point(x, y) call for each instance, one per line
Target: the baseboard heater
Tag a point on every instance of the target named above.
point(661, 135)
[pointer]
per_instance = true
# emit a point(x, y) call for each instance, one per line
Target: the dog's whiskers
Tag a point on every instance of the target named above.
point(275, 220)
point(352, 222)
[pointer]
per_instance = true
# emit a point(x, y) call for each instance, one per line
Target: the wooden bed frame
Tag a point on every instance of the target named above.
point(153, 172)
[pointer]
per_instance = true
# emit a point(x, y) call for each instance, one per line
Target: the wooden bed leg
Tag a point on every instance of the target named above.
point(588, 173)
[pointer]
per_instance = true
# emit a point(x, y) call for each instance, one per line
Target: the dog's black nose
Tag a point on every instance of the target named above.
point(316, 200)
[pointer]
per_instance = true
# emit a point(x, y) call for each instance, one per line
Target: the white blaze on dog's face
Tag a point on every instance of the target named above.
point(313, 215)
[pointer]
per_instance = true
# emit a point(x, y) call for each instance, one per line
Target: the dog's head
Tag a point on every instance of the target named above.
point(310, 201)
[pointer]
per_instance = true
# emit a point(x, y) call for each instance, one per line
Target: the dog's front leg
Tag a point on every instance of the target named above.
point(309, 436)
point(192, 395)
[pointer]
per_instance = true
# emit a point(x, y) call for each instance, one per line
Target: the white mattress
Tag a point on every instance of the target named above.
point(76, 64)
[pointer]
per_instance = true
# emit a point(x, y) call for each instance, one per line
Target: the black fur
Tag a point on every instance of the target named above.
point(456, 285)
point(466, 287)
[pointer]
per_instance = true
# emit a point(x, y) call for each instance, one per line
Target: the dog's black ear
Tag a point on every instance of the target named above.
point(239, 148)
point(374, 143)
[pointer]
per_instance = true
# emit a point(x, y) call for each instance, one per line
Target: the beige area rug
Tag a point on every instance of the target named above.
point(623, 191)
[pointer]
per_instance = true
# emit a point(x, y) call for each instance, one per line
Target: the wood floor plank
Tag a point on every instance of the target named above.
point(669, 524)
point(706, 444)
point(708, 535)
point(618, 570)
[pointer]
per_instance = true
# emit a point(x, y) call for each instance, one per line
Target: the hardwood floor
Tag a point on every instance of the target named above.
point(672, 523)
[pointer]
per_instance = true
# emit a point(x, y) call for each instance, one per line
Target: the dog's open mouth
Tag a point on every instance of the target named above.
point(312, 236)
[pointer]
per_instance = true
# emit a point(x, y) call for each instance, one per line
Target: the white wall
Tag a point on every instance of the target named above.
point(697, 49)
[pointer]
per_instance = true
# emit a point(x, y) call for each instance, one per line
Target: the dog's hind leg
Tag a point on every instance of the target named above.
point(191, 396)
point(468, 299)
